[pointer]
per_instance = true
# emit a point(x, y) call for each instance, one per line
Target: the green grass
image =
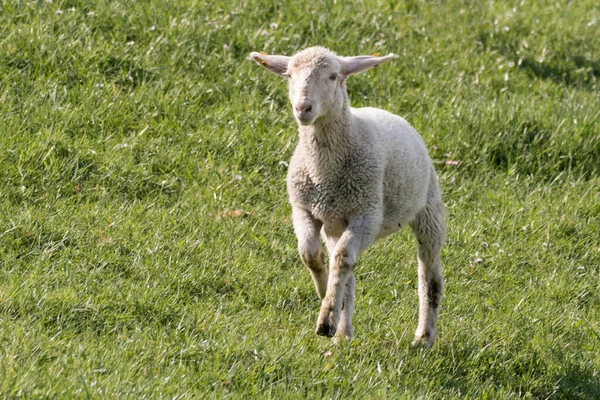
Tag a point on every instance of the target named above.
point(132, 132)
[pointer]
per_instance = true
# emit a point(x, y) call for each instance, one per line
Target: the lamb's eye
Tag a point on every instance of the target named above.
point(333, 77)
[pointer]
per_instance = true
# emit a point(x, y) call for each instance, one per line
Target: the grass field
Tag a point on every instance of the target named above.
point(146, 247)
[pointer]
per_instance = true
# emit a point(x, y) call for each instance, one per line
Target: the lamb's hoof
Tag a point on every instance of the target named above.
point(325, 330)
point(341, 338)
point(427, 339)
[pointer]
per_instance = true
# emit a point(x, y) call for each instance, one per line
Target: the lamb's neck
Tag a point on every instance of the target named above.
point(328, 141)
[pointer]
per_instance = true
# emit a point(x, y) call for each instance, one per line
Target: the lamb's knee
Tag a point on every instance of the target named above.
point(343, 261)
point(312, 258)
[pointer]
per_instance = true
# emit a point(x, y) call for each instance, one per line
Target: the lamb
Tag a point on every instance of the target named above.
point(357, 175)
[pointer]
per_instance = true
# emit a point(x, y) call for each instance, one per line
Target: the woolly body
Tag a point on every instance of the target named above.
point(377, 160)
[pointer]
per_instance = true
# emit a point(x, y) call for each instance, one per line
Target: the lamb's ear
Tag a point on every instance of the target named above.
point(354, 65)
point(275, 64)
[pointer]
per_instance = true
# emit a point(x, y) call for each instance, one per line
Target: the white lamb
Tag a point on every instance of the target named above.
point(357, 175)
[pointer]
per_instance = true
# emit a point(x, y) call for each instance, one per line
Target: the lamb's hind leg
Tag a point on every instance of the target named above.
point(429, 228)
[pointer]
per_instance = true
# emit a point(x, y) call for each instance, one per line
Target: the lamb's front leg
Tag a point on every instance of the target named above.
point(307, 230)
point(344, 329)
point(360, 233)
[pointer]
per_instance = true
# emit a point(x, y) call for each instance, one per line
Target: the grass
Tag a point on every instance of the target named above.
point(146, 248)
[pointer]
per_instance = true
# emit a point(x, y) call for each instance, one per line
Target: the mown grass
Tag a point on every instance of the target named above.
point(146, 248)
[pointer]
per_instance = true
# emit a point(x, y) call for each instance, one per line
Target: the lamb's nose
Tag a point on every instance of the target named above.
point(304, 108)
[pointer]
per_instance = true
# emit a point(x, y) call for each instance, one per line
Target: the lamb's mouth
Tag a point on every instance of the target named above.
point(305, 119)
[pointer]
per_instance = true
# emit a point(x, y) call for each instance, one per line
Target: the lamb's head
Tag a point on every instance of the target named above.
point(317, 79)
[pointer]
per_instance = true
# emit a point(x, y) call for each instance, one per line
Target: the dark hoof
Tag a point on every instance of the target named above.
point(325, 330)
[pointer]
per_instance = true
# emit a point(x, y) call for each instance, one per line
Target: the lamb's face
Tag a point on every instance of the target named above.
point(315, 86)
point(317, 79)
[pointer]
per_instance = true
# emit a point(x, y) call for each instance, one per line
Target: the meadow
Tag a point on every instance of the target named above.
point(146, 246)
